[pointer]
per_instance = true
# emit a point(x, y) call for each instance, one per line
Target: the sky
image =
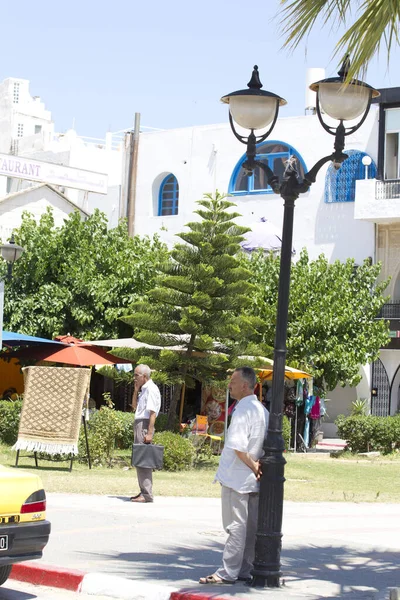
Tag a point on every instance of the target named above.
point(96, 63)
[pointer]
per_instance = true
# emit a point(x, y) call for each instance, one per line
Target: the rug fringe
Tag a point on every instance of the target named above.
point(37, 446)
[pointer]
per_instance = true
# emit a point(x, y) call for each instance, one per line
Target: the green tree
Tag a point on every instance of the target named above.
point(200, 302)
point(332, 325)
point(376, 24)
point(78, 278)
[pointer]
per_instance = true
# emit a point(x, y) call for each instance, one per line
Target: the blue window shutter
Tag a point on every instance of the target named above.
point(168, 200)
point(340, 185)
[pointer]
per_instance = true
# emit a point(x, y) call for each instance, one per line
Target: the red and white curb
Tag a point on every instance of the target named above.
point(39, 574)
point(98, 584)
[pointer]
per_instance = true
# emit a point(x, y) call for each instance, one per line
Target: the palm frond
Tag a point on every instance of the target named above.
point(299, 17)
point(376, 25)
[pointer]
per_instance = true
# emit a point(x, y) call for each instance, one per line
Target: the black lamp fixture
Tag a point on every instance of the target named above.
point(11, 252)
point(257, 109)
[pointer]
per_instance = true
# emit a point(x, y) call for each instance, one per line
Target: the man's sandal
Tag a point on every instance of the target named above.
point(214, 580)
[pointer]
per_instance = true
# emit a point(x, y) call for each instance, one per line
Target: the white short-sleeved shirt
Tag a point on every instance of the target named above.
point(149, 398)
point(245, 434)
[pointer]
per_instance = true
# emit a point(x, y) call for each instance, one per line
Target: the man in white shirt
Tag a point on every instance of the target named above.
point(238, 474)
point(146, 401)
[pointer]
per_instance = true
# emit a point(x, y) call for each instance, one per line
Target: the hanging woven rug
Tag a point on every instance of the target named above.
point(52, 409)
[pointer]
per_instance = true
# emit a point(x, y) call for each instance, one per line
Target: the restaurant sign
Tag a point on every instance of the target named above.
point(44, 172)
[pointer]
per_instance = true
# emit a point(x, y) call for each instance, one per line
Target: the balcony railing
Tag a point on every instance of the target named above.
point(390, 311)
point(387, 190)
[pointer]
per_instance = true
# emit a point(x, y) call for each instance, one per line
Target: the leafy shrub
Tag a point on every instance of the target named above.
point(359, 407)
point(286, 431)
point(203, 449)
point(161, 423)
point(10, 412)
point(369, 433)
point(382, 437)
point(179, 452)
point(103, 429)
point(124, 438)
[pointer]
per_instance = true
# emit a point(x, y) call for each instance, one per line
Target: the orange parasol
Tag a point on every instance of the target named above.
point(78, 355)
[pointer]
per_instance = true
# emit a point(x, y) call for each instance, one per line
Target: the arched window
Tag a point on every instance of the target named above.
point(272, 153)
point(340, 185)
point(169, 197)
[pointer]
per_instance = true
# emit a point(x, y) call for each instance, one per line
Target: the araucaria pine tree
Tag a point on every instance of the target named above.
point(199, 304)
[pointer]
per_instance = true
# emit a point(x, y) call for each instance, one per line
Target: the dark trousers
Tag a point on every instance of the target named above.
point(145, 476)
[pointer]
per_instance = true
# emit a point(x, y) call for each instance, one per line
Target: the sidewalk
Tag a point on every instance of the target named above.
point(137, 551)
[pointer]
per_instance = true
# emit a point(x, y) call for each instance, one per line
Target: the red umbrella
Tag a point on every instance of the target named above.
point(82, 356)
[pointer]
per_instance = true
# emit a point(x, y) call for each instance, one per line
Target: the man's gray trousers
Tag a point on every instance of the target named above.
point(145, 476)
point(239, 519)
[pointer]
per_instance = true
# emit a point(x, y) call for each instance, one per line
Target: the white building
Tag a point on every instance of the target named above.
point(354, 212)
point(35, 200)
point(21, 117)
point(27, 130)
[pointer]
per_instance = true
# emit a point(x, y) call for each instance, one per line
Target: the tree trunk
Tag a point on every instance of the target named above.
point(178, 388)
point(176, 396)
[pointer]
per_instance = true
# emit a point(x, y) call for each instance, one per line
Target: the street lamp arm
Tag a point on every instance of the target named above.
point(273, 180)
point(241, 138)
point(311, 176)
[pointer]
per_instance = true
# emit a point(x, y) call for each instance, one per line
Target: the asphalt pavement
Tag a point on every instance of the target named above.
point(330, 550)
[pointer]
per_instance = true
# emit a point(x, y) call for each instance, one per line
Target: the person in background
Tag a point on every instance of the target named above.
point(239, 474)
point(146, 401)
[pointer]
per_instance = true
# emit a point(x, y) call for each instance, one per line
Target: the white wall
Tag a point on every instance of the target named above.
point(203, 159)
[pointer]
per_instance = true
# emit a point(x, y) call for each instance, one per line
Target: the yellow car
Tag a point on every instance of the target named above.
point(24, 531)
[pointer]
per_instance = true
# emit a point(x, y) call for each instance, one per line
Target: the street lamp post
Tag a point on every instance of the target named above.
point(11, 252)
point(255, 109)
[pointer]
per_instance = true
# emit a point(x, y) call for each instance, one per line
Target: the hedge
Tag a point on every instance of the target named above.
point(286, 431)
point(366, 433)
point(179, 452)
point(10, 412)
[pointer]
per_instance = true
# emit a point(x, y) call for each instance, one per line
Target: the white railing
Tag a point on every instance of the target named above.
point(114, 140)
point(387, 190)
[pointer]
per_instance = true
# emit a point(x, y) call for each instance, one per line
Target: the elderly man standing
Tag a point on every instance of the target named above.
point(146, 401)
point(238, 474)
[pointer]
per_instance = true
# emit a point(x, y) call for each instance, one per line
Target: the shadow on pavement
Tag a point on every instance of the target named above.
point(7, 593)
point(169, 564)
point(304, 567)
point(343, 566)
point(122, 498)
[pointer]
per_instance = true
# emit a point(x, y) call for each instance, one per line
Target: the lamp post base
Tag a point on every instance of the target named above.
point(266, 581)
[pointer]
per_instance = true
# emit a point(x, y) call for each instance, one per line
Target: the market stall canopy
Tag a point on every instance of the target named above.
point(132, 343)
point(77, 355)
point(20, 339)
point(290, 373)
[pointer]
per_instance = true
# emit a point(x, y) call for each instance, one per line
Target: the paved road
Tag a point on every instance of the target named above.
point(329, 549)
